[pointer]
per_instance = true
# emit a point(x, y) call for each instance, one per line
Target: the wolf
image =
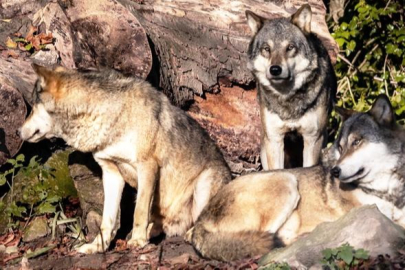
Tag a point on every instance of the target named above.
point(256, 212)
point(296, 85)
point(136, 136)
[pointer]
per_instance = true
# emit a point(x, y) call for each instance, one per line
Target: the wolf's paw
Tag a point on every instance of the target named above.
point(90, 248)
point(189, 235)
point(137, 243)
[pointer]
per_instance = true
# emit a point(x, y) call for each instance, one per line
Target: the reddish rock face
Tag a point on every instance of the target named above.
point(232, 119)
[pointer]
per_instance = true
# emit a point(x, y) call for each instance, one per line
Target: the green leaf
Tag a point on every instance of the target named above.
point(3, 179)
point(46, 207)
point(15, 210)
point(23, 40)
point(361, 254)
point(327, 253)
point(53, 199)
point(346, 254)
point(20, 157)
point(340, 42)
point(12, 161)
point(28, 47)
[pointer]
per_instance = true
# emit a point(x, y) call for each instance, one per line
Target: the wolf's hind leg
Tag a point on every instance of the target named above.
point(207, 185)
point(113, 185)
point(290, 201)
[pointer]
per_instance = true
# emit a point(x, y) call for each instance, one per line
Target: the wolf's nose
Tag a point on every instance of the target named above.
point(275, 70)
point(335, 172)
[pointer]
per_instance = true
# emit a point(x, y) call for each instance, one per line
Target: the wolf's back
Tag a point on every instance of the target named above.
point(227, 246)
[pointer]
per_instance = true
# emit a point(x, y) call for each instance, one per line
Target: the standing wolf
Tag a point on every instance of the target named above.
point(296, 84)
point(136, 136)
point(368, 167)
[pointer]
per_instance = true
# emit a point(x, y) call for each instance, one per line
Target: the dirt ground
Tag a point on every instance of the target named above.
point(172, 253)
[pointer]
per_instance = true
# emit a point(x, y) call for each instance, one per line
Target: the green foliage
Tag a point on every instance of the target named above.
point(276, 266)
point(371, 61)
point(34, 189)
point(343, 257)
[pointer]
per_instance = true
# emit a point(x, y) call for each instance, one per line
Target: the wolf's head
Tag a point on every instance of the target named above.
point(40, 123)
point(280, 55)
point(369, 146)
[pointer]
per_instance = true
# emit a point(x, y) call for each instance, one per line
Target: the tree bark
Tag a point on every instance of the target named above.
point(197, 42)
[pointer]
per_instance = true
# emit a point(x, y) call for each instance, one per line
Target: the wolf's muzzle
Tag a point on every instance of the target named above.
point(275, 70)
point(335, 171)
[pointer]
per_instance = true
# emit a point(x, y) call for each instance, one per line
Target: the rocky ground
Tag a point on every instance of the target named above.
point(172, 253)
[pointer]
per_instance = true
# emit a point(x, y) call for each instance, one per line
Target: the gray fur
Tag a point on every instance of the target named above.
point(320, 85)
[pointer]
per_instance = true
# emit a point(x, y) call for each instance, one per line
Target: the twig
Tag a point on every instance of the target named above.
point(345, 60)
point(35, 253)
point(29, 217)
point(55, 219)
point(350, 91)
point(385, 80)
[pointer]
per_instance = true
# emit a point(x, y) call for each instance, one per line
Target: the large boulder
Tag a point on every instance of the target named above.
point(365, 227)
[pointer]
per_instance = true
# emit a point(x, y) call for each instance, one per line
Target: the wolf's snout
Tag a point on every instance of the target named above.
point(275, 70)
point(335, 171)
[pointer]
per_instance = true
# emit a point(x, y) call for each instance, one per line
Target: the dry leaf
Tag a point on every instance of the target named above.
point(121, 245)
point(36, 42)
point(10, 43)
point(46, 38)
point(6, 20)
point(31, 33)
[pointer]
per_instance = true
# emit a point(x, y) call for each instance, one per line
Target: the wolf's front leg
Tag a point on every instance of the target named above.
point(147, 177)
point(113, 185)
point(272, 152)
point(312, 149)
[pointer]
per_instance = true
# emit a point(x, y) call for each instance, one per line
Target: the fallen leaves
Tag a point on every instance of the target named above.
point(10, 43)
point(32, 42)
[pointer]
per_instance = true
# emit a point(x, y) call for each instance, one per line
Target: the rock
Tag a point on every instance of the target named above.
point(97, 34)
point(12, 116)
point(12, 8)
point(46, 58)
point(54, 20)
point(18, 74)
point(38, 228)
point(365, 227)
point(86, 175)
point(93, 223)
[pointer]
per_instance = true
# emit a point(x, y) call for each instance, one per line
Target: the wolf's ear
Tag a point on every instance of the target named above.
point(344, 113)
point(302, 18)
point(42, 72)
point(382, 111)
point(254, 21)
point(49, 80)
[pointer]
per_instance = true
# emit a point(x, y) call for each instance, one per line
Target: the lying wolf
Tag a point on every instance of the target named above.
point(369, 158)
point(296, 85)
point(136, 136)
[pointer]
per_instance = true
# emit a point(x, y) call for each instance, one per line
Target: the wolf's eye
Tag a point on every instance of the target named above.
point(356, 142)
point(266, 49)
point(290, 47)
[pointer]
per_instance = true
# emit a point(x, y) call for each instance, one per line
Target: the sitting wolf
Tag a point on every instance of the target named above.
point(136, 136)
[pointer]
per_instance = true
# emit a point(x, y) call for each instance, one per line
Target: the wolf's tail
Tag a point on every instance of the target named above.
point(225, 246)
